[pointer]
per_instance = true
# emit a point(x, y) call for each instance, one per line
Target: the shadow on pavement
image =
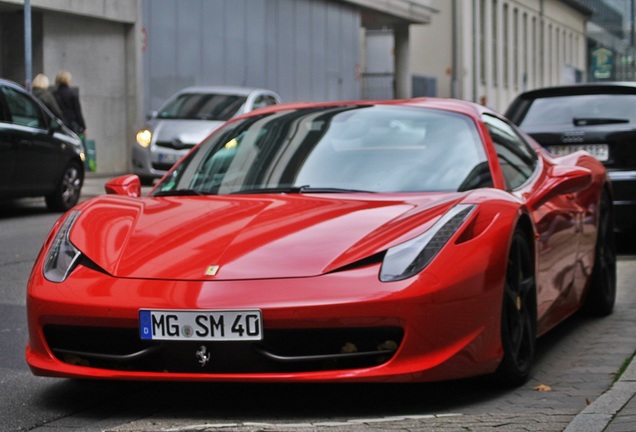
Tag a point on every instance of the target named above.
point(23, 207)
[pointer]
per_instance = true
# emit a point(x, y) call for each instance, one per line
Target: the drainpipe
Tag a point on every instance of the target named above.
point(454, 62)
point(541, 43)
point(631, 22)
point(475, 50)
point(27, 45)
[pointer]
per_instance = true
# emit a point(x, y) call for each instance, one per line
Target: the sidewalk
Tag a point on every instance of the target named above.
point(613, 411)
point(94, 184)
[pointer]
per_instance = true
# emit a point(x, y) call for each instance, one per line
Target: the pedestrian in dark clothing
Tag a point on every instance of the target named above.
point(42, 91)
point(69, 103)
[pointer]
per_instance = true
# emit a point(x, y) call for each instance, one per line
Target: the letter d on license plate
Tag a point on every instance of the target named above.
point(199, 325)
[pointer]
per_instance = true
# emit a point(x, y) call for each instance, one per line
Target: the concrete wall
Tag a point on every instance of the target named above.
point(304, 50)
point(432, 48)
point(93, 50)
point(128, 56)
point(98, 42)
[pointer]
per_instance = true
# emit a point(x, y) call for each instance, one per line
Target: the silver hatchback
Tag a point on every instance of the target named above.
point(185, 119)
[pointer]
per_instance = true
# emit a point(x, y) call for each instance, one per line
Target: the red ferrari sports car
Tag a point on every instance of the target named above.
point(415, 240)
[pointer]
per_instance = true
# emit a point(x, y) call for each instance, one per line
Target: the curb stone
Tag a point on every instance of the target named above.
point(597, 416)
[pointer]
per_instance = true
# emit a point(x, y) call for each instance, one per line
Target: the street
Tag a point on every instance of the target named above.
point(576, 363)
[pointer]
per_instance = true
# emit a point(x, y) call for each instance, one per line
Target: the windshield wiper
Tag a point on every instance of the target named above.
point(270, 190)
point(590, 121)
point(308, 189)
point(298, 189)
point(178, 192)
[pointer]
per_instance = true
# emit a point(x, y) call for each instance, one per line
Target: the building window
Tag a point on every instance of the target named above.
point(535, 50)
point(495, 43)
point(558, 55)
point(482, 41)
point(506, 45)
point(515, 48)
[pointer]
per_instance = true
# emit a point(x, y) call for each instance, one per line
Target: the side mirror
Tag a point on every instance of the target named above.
point(562, 180)
point(151, 115)
point(127, 185)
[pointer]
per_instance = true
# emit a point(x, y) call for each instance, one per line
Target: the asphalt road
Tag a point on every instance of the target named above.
point(576, 363)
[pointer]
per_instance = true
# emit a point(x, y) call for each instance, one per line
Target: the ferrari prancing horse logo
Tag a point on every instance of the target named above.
point(203, 355)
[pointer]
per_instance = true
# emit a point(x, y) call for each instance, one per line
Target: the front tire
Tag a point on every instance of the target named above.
point(602, 291)
point(67, 192)
point(518, 314)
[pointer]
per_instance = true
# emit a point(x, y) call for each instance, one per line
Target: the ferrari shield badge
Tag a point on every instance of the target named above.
point(212, 270)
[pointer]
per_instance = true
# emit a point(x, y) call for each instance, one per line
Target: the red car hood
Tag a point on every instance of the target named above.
point(249, 237)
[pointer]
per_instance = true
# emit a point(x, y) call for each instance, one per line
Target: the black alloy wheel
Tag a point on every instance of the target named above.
point(68, 190)
point(519, 314)
point(602, 291)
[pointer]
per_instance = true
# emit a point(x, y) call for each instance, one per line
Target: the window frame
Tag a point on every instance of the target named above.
point(9, 95)
point(512, 184)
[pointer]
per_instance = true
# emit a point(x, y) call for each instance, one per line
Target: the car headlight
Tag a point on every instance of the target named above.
point(62, 256)
point(144, 137)
point(409, 258)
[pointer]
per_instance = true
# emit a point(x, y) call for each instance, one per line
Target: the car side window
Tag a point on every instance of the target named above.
point(263, 101)
point(516, 158)
point(260, 102)
point(24, 112)
point(270, 100)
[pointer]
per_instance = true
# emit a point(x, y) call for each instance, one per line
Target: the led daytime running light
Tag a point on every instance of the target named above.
point(62, 256)
point(411, 257)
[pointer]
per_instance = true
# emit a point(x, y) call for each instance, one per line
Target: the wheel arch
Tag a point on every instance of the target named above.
point(524, 223)
point(518, 325)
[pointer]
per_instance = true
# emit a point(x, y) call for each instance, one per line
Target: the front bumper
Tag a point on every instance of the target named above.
point(142, 164)
point(624, 186)
point(152, 162)
point(415, 330)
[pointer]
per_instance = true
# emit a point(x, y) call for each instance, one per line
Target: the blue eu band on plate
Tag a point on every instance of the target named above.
point(200, 325)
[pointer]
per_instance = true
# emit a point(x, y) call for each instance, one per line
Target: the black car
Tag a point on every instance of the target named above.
point(39, 156)
point(597, 117)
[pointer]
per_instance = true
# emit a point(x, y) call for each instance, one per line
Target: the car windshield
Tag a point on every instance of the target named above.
point(202, 106)
point(581, 110)
point(336, 149)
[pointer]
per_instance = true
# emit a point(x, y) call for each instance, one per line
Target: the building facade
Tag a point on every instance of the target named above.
point(97, 41)
point(611, 39)
point(128, 56)
point(488, 51)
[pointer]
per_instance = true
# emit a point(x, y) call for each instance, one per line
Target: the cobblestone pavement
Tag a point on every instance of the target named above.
point(577, 364)
point(625, 421)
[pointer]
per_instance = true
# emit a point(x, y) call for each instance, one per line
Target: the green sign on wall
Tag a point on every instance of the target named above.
point(602, 63)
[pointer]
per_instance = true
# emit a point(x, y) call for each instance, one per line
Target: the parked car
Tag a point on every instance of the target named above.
point(185, 119)
point(415, 240)
point(597, 117)
point(39, 156)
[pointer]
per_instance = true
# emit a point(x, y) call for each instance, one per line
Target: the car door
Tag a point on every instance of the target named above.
point(8, 150)
point(37, 154)
point(557, 220)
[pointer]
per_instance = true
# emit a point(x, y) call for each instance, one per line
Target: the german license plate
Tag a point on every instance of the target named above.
point(599, 151)
point(201, 325)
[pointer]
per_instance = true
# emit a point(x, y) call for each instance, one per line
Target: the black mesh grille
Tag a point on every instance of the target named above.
point(280, 351)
